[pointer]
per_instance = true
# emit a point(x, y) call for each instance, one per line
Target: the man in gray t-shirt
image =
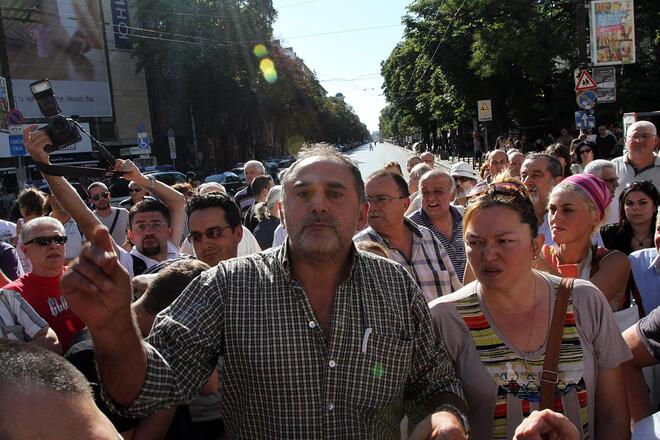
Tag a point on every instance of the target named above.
point(115, 219)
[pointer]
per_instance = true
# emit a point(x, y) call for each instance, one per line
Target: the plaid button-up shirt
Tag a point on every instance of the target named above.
point(429, 265)
point(285, 379)
point(455, 246)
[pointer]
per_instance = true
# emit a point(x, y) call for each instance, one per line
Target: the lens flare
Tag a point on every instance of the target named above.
point(260, 51)
point(267, 68)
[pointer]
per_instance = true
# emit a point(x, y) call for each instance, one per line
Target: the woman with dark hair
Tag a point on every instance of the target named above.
point(563, 155)
point(638, 209)
point(582, 153)
point(496, 329)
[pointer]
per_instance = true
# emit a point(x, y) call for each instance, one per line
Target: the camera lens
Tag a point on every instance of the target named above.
point(60, 129)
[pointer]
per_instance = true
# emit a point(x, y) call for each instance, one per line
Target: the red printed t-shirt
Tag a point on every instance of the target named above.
point(45, 297)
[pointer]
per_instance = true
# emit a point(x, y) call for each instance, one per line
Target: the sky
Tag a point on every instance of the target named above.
point(324, 33)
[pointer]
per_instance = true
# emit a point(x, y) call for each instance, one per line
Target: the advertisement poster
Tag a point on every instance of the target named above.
point(612, 32)
point(60, 40)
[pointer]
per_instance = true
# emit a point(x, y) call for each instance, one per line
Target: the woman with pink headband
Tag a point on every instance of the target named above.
point(576, 208)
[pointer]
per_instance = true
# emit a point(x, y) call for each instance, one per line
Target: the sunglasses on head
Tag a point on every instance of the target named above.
point(45, 241)
point(103, 195)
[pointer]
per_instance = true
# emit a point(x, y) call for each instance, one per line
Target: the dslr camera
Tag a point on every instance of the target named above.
point(63, 131)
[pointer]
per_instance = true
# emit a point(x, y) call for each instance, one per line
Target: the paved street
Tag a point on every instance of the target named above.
point(371, 161)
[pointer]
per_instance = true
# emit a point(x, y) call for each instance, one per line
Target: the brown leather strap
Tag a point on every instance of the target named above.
point(550, 374)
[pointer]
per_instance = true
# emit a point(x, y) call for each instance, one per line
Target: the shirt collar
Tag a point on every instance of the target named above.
point(283, 258)
point(172, 252)
point(655, 264)
point(656, 163)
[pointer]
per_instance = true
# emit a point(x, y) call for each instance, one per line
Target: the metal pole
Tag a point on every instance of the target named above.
point(581, 21)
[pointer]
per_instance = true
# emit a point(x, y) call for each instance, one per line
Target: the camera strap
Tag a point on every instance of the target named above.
point(63, 170)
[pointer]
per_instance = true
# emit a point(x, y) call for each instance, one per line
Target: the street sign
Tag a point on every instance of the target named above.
point(143, 141)
point(16, 146)
point(605, 77)
point(485, 110)
point(585, 119)
point(172, 143)
point(131, 151)
point(585, 82)
point(14, 117)
point(587, 99)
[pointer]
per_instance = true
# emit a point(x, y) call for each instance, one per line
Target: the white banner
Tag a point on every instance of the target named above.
point(84, 146)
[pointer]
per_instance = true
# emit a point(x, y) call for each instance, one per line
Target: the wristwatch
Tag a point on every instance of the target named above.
point(458, 413)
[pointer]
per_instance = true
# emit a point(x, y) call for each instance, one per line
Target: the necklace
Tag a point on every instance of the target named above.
point(641, 242)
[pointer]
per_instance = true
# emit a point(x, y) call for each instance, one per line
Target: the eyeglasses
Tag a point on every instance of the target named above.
point(586, 150)
point(135, 190)
point(382, 200)
point(211, 233)
point(141, 227)
point(45, 241)
point(644, 137)
point(103, 195)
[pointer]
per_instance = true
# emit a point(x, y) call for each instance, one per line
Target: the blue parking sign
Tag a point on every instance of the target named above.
point(16, 145)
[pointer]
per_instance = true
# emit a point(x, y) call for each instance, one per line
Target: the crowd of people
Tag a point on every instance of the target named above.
point(514, 303)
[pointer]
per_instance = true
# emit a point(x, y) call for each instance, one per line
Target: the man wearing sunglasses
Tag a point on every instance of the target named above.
point(214, 221)
point(137, 194)
point(44, 244)
point(154, 227)
point(115, 219)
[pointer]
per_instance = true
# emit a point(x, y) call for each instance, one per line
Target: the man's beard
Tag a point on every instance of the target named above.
point(306, 243)
point(151, 250)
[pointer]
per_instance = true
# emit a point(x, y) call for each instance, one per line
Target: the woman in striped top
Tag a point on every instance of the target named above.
point(496, 328)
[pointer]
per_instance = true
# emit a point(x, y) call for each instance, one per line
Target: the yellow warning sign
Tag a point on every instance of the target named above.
point(485, 112)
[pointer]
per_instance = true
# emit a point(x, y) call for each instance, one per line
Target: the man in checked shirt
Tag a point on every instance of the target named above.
point(319, 340)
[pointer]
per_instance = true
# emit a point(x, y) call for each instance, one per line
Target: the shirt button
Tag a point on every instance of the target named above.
point(331, 406)
point(312, 324)
point(332, 364)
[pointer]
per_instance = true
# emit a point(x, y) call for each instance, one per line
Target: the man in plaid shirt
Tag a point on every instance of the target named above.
point(319, 340)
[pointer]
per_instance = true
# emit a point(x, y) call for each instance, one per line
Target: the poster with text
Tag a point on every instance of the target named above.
point(59, 40)
point(612, 32)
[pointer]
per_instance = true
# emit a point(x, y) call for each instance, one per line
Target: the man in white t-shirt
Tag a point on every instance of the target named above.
point(115, 219)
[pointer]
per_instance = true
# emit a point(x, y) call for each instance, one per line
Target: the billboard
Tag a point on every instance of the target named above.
point(84, 146)
point(60, 40)
point(612, 32)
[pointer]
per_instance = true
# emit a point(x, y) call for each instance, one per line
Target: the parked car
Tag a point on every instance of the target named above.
point(229, 180)
point(167, 177)
point(240, 172)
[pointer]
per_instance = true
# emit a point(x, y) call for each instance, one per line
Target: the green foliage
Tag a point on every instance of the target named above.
point(200, 55)
point(518, 53)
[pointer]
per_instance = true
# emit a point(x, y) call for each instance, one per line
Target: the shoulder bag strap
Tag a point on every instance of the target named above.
point(114, 221)
point(550, 374)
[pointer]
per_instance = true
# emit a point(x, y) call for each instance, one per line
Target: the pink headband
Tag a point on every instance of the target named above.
point(595, 188)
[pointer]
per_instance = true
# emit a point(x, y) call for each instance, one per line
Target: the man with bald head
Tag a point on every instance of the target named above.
point(444, 220)
point(516, 159)
point(640, 161)
point(245, 197)
point(428, 158)
point(314, 301)
point(498, 162)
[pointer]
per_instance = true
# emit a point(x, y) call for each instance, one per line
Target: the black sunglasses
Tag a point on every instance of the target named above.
point(211, 233)
point(585, 151)
point(98, 197)
point(135, 190)
point(45, 241)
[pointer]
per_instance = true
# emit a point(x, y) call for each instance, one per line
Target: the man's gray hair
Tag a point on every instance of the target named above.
point(29, 227)
point(439, 172)
point(419, 170)
point(645, 124)
point(274, 196)
point(596, 167)
point(254, 164)
point(328, 152)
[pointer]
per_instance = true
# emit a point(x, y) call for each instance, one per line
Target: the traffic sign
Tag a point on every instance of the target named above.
point(16, 145)
point(585, 82)
point(585, 119)
point(485, 110)
point(587, 99)
point(14, 117)
point(172, 144)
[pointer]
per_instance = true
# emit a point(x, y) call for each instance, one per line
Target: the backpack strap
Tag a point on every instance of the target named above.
point(550, 373)
point(139, 266)
point(114, 221)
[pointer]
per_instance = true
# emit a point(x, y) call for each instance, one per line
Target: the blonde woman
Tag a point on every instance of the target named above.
point(576, 208)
